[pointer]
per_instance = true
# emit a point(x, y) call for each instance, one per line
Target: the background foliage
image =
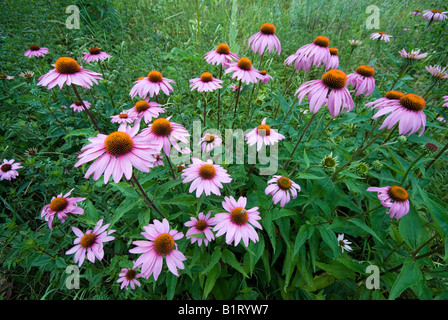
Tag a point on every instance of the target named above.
point(297, 256)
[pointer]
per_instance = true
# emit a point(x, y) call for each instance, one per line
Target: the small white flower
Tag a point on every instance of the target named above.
point(355, 43)
point(344, 244)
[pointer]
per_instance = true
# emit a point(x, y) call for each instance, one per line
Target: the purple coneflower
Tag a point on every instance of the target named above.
point(59, 206)
point(95, 54)
point(202, 225)
point(362, 80)
point(265, 38)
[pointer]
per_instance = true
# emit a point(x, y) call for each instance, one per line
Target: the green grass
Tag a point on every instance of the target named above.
point(172, 37)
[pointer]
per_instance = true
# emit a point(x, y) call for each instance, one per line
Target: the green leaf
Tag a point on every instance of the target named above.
point(127, 205)
point(85, 132)
point(366, 228)
point(412, 229)
point(330, 239)
point(182, 200)
point(212, 276)
point(216, 255)
point(410, 274)
point(171, 281)
point(229, 258)
point(305, 232)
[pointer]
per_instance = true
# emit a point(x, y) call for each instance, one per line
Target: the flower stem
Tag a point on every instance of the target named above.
point(56, 118)
point(410, 167)
point(219, 96)
point(171, 166)
point(149, 201)
point(85, 108)
point(236, 103)
point(300, 139)
point(106, 86)
point(205, 107)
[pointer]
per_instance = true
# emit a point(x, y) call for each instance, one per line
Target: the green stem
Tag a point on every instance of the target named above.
point(85, 108)
point(219, 95)
point(410, 167)
point(151, 204)
point(106, 86)
point(236, 103)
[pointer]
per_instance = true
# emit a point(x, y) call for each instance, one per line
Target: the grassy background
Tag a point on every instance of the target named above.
point(172, 37)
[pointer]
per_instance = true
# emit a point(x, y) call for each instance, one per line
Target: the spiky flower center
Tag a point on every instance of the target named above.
point(413, 102)
point(78, 103)
point(130, 275)
point(180, 168)
point(397, 193)
point(322, 41)
point(87, 240)
point(329, 162)
point(161, 127)
point(163, 244)
point(34, 47)
point(94, 50)
point(209, 138)
point(436, 11)
point(66, 65)
point(118, 143)
point(341, 243)
point(123, 116)
point(263, 72)
point(6, 167)
point(141, 78)
point(223, 48)
point(381, 32)
point(267, 28)
point(207, 171)
point(245, 64)
point(263, 130)
point(335, 79)
point(3, 76)
point(334, 51)
point(155, 76)
point(239, 216)
point(431, 147)
point(141, 106)
point(284, 183)
point(58, 204)
point(206, 77)
point(365, 71)
point(394, 95)
point(201, 225)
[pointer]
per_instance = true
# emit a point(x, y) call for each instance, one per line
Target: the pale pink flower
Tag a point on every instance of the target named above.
point(380, 36)
point(158, 161)
point(416, 12)
point(265, 76)
point(209, 142)
point(123, 117)
point(386, 100)
point(36, 51)
point(282, 189)
point(238, 222)
point(343, 243)
point(265, 38)
point(434, 15)
point(95, 54)
point(362, 80)
point(59, 206)
point(117, 154)
point(207, 177)
point(90, 243)
point(221, 56)
point(128, 277)
point(437, 72)
point(407, 111)
point(162, 243)
point(164, 133)
point(202, 225)
point(152, 84)
point(68, 71)
point(331, 90)
point(413, 55)
point(244, 71)
point(395, 198)
point(263, 135)
point(77, 105)
point(146, 109)
point(333, 63)
point(315, 53)
point(205, 83)
point(235, 87)
point(8, 169)
point(446, 101)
